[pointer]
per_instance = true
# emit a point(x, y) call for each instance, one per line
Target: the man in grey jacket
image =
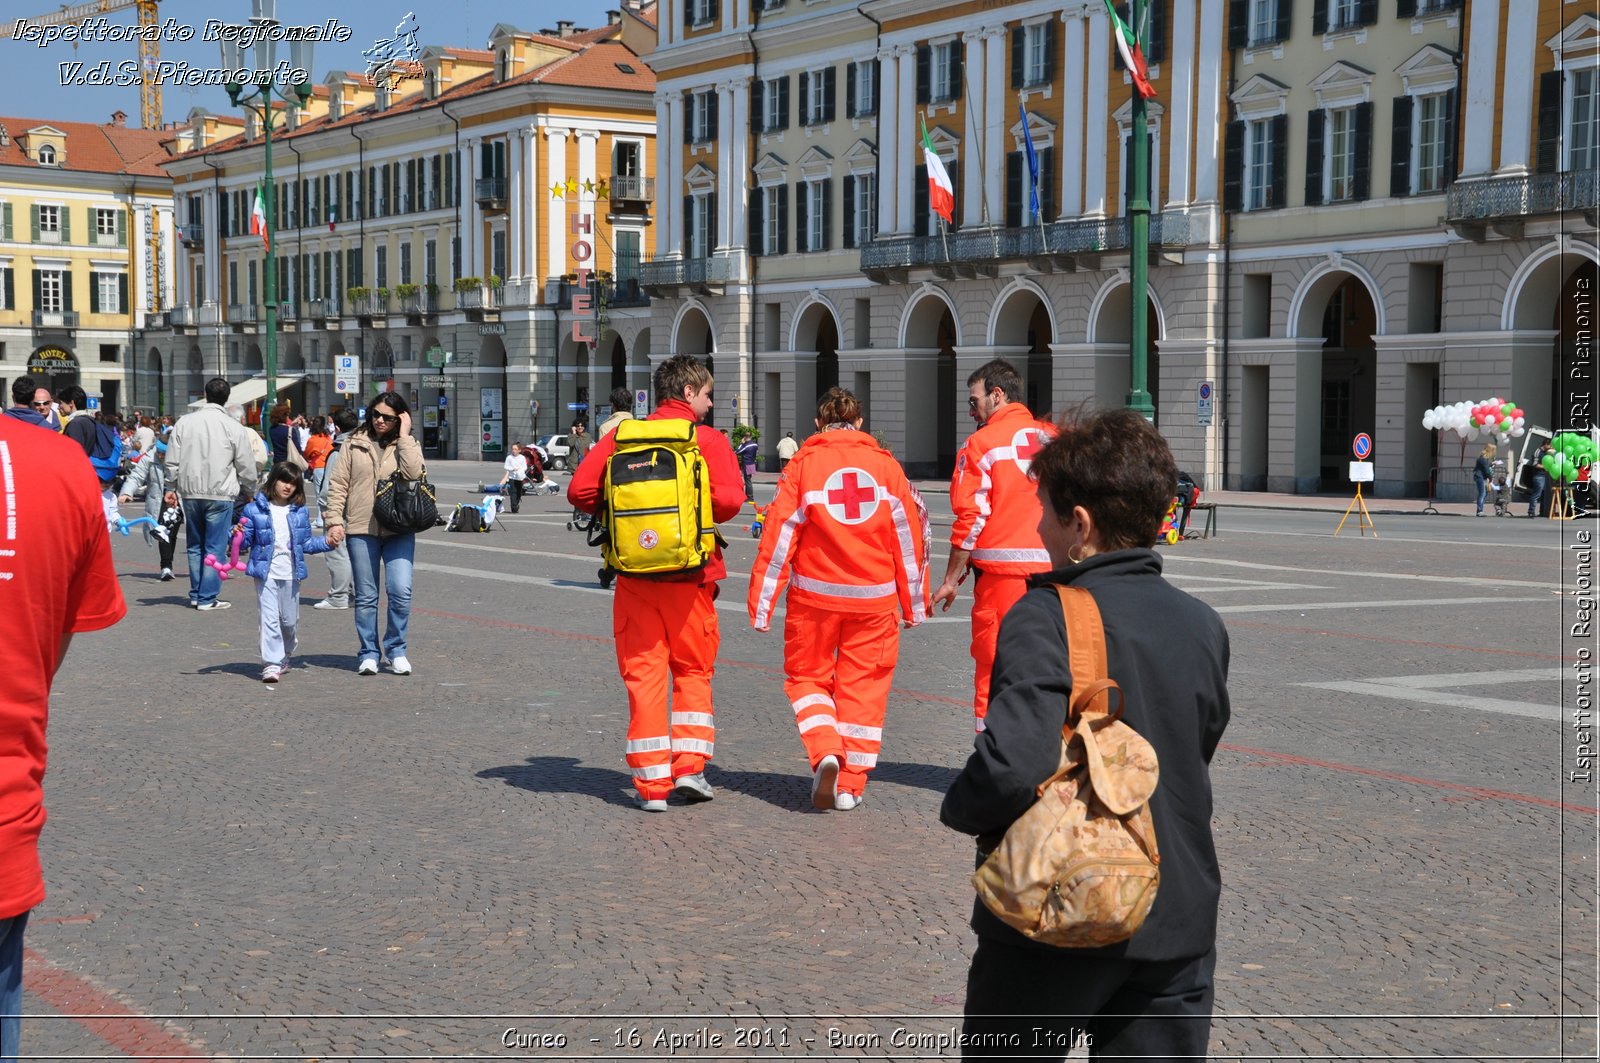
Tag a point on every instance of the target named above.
point(212, 462)
point(341, 580)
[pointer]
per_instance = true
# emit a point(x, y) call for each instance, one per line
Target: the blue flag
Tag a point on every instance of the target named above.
point(1033, 164)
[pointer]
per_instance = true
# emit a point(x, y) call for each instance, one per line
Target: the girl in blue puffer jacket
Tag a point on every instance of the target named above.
point(277, 532)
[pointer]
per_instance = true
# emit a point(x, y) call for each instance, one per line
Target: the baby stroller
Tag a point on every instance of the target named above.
point(1500, 487)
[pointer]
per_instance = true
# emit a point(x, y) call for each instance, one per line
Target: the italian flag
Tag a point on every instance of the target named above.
point(941, 193)
point(258, 219)
point(1132, 54)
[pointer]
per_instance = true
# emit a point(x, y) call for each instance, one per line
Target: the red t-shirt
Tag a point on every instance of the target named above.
point(55, 577)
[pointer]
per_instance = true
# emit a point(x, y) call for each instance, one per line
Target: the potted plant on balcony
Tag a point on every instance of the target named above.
point(468, 284)
point(357, 293)
point(494, 282)
point(383, 296)
point(405, 291)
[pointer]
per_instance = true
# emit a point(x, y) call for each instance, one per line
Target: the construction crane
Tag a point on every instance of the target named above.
point(149, 43)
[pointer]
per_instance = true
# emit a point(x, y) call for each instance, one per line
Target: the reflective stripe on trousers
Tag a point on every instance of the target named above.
point(838, 669)
point(667, 636)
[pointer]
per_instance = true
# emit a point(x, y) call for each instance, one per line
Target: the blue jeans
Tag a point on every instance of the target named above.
point(396, 554)
point(1541, 483)
point(1483, 489)
point(11, 985)
point(207, 523)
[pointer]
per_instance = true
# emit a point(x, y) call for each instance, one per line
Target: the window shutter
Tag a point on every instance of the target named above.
point(711, 116)
point(1155, 49)
point(688, 14)
point(122, 293)
point(1280, 161)
point(94, 293)
point(877, 86)
point(1450, 103)
point(688, 226)
point(1400, 148)
point(1367, 13)
point(919, 201)
point(924, 71)
point(849, 212)
point(66, 225)
point(802, 210)
point(1552, 86)
point(1016, 188)
point(1319, 17)
point(1363, 167)
point(66, 290)
point(1047, 183)
point(1238, 23)
point(850, 91)
point(827, 215)
point(122, 227)
point(1405, 8)
point(5, 221)
point(830, 92)
point(38, 290)
point(1049, 51)
point(756, 218)
point(956, 64)
point(805, 98)
point(1233, 166)
point(8, 288)
point(758, 110)
point(783, 102)
point(1316, 159)
point(34, 210)
point(1285, 18)
point(1019, 48)
point(688, 118)
point(222, 216)
point(712, 10)
point(782, 192)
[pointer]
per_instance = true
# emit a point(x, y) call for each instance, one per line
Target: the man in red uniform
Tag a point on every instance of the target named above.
point(996, 530)
point(666, 625)
point(56, 579)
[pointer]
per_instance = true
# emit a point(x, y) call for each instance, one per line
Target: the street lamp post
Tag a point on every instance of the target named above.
point(1139, 246)
point(257, 88)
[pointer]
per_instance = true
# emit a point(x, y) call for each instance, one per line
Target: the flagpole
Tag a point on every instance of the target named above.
point(1139, 247)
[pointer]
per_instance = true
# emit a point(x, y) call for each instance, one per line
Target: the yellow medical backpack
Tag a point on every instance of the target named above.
point(657, 515)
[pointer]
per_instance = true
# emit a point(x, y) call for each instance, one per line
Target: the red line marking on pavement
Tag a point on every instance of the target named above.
point(102, 1015)
point(1400, 642)
point(1477, 792)
point(1432, 784)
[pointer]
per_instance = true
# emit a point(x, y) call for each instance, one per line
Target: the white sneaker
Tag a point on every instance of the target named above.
point(270, 673)
point(214, 605)
point(367, 667)
point(694, 787)
point(845, 801)
point(326, 604)
point(400, 666)
point(166, 575)
point(657, 804)
point(822, 783)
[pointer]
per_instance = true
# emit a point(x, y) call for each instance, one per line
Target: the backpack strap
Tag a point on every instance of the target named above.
point(1086, 656)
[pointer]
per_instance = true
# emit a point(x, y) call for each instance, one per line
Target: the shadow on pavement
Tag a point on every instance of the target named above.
point(935, 777)
point(565, 775)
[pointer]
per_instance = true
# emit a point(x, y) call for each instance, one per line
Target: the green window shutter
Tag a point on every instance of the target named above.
point(94, 293)
point(122, 293)
point(66, 291)
point(34, 210)
point(122, 228)
point(5, 223)
point(66, 225)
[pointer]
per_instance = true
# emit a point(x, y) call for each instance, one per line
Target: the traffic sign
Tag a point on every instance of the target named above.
point(1204, 407)
point(641, 402)
point(1362, 446)
point(346, 373)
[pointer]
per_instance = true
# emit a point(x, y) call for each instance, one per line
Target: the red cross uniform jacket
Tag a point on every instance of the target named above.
point(846, 532)
point(996, 507)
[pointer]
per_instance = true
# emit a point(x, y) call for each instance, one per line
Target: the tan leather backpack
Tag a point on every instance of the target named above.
point(1080, 868)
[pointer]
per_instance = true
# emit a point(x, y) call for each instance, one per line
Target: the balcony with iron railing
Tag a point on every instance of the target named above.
point(979, 251)
point(324, 309)
point(629, 189)
point(241, 314)
point(192, 234)
point(370, 305)
point(55, 319)
point(419, 303)
point(664, 276)
point(490, 193)
point(189, 316)
point(518, 294)
point(475, 301)
point(1503, 204)
point(289, 311)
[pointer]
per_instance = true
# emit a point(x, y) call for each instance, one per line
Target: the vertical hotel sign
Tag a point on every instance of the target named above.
point(583, 320)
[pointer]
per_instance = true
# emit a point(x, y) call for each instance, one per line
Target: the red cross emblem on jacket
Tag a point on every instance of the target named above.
point(851, 496)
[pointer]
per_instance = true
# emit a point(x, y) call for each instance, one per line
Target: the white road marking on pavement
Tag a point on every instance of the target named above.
point(1429, 690)
point(1477, 581)
point(1471, 543)
point(1196, 583)
point(1399, 603)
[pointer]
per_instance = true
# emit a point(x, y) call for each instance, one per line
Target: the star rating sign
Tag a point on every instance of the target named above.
point(556, 190)
point(588, 185)
point(572, 186)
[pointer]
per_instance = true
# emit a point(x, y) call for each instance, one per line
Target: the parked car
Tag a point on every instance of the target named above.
point(557, 447)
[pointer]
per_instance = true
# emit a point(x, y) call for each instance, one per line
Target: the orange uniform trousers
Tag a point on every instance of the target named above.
point(992, 597)
point(667, 638)
point(838, 668)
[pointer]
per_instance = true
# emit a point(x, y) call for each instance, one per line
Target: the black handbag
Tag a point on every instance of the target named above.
point(406, 505)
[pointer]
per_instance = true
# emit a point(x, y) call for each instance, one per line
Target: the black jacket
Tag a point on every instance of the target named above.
point(1169, 653)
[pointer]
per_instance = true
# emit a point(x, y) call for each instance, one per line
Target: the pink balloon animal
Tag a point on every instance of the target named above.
point(233, 564)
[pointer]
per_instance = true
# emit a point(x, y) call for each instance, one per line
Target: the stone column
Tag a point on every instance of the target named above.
point(556, 234)
point(906, 103)
point(972, 135)
point(669, 171)
point(1516, 92)
point(996, 98)
point(1482, 88)
point(1069, 144)
point(734, 165)
point(1094, 191)
point(518, 197)
point(1208, 103)
point(889, 139)
point(527, 231)
point(1180, 131)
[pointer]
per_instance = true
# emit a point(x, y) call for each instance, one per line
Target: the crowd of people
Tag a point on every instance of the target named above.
point(847, 549)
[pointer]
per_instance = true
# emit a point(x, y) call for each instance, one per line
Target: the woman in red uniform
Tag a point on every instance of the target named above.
point(848, 536)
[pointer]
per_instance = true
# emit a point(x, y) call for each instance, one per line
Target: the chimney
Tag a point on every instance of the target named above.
point(119, 119)
point(613, 18)
point(564, 27)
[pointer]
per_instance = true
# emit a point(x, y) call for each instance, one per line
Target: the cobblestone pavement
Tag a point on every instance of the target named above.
point(450, 866)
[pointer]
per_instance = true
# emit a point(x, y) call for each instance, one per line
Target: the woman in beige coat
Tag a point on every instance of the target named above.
point(382, 446)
